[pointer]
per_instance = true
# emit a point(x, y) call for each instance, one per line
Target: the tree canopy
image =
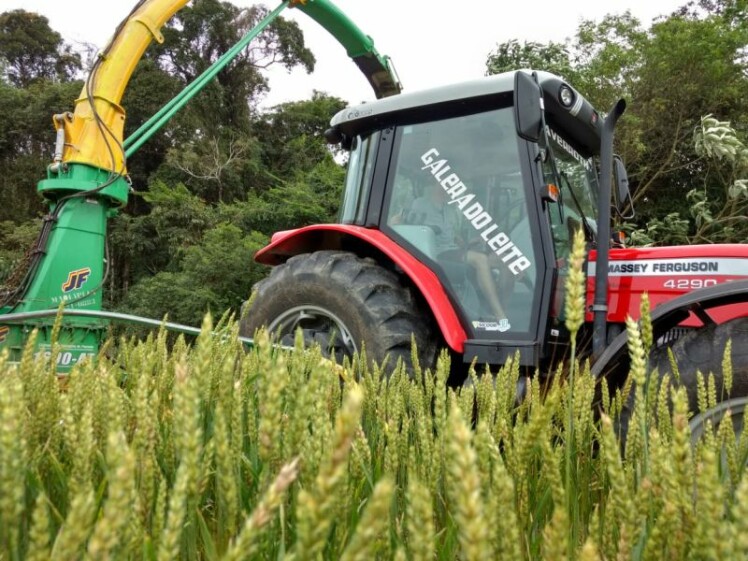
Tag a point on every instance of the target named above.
point(686, 66)
point(32, 51)
point(224, 175)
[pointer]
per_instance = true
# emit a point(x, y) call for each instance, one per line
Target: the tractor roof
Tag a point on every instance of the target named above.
point(390, 110)
point(580, 121)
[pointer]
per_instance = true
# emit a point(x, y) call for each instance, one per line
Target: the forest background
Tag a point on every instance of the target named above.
point(225, 174)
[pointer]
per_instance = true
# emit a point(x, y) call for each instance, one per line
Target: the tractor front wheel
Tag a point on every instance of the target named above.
point(341, 301)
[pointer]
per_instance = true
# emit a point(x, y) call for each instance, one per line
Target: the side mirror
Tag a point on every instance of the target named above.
point(334, 136)
point(527, 112)
point(623, 198)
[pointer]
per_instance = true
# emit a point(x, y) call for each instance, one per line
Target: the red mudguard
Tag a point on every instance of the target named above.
point(666, 273)
point(284, 245)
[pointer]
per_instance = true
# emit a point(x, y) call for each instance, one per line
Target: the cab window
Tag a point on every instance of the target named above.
point(457, 198)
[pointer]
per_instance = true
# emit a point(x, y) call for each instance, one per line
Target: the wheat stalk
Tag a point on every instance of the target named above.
point(247, 541)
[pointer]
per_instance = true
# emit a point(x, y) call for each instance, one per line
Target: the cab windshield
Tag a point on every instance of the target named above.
point(577, 182)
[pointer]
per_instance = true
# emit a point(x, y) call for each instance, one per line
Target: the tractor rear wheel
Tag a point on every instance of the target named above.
point(736, 406)
point(341, 301)
point(702, 350)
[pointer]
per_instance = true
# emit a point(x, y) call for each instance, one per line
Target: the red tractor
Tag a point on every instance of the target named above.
point(457, 217)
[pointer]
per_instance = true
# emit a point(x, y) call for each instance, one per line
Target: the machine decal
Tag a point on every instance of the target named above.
point(4, 330)
point(500, 326)
point(676, 267)
point(67, 358)
point(587, 163)
point(76, 279)
point(689, 284)
point(473, 211)
point(67, 355)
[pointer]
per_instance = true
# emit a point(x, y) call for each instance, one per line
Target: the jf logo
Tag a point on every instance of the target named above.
point(76, 279)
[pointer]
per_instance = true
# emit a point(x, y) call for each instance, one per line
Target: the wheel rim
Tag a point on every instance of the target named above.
point(735, 406)
point(319, 326)
point(714, 417)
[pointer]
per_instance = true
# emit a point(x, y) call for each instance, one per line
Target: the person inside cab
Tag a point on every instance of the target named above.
point(432, 209)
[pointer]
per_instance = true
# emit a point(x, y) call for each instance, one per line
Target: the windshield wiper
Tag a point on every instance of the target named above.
point(585, 221)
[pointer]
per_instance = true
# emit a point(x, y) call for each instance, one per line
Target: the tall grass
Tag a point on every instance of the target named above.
point(213, 452)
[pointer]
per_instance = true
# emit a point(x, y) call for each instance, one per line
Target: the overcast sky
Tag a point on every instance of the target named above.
point(431, 42)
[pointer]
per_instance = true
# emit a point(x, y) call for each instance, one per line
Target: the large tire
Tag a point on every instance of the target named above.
point(340, 301)
point(702, 350)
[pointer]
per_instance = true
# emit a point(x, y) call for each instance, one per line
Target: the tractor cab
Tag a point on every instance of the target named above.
point(450, 176)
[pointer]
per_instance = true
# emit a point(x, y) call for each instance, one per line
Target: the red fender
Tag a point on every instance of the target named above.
point(328, 236)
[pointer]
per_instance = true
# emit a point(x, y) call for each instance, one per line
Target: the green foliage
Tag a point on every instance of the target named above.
point(511, 55)
point(685, 65)
point(149, 89)
point(26, 142)
point(178, 217)
point(215, 169)
point(223, 261)
point(142, 246)
point(11, 101)
point(200, 33)
point(17, 239)
point(171, 295)
point(214, 275)
point(710, 218)
point(292, 134)
point(611, 53)
point(719, 141)
point(706, 51)
point(32, 51)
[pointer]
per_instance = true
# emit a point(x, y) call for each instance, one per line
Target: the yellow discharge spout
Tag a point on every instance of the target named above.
point(99, 144)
